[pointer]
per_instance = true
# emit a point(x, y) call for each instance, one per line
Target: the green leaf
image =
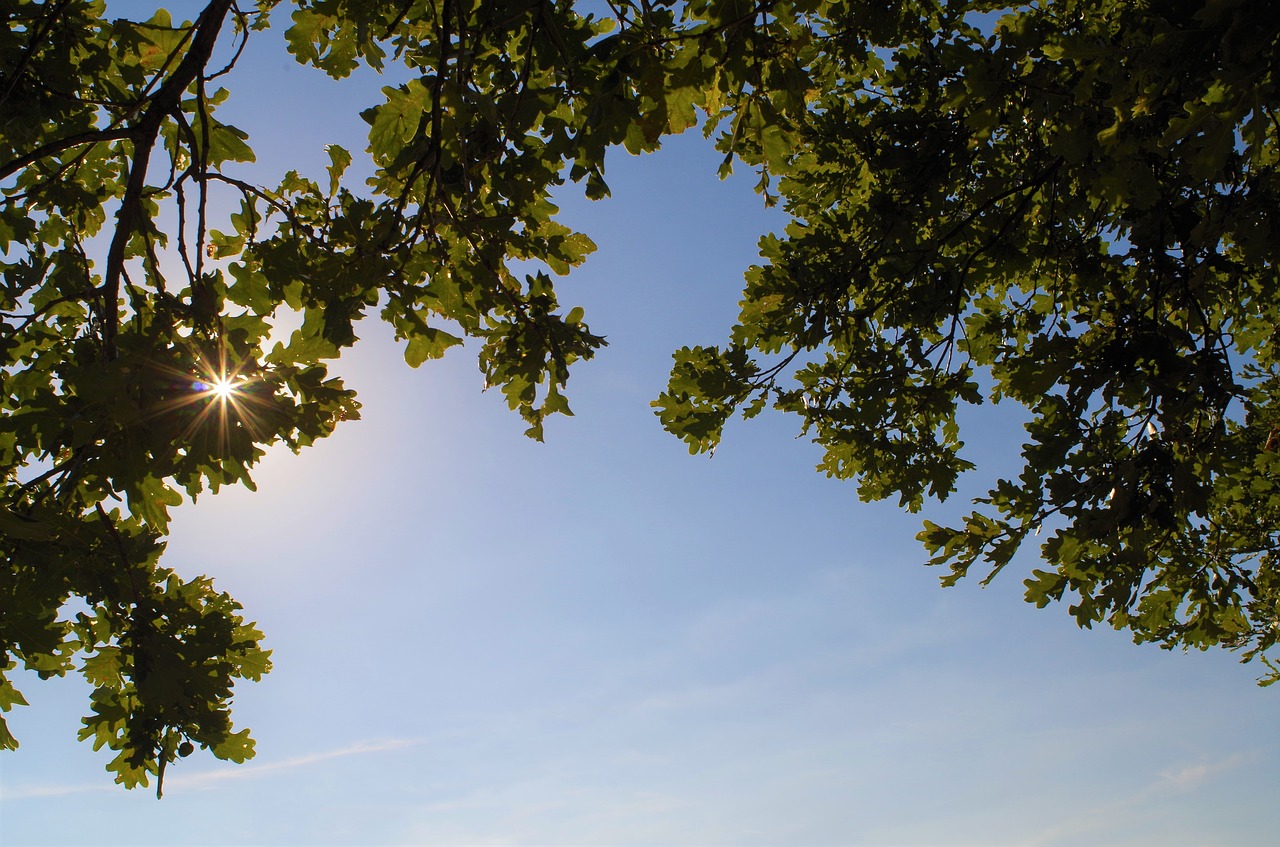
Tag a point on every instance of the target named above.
point(237, 747)
point(394, 123)
point(10, 696)
point(428, 343)
point(339, 160)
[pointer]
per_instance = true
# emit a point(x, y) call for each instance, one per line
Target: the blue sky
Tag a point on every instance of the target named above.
point(603, 640)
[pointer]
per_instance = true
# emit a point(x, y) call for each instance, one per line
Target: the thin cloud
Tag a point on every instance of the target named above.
point(1191, 776)
point(35, 791)
point(200, 780)
point(210, 778)
point(1177, 779)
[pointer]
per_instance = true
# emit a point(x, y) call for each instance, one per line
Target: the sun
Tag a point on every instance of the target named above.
point(227, 399)
point(222, 388)
point(218, 403)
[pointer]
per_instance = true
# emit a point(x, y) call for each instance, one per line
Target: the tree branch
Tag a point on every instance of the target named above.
point(165, 101)
point(53, 147)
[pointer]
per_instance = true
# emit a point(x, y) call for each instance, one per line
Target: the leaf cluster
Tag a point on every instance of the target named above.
point(1068, 206)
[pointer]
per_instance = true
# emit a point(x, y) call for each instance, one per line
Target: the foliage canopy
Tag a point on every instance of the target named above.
point(1071, 205)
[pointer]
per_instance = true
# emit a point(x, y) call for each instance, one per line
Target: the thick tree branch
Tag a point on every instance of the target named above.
point(96, 136)
point(165, 101)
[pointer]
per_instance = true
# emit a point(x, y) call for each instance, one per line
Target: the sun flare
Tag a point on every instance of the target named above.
point(224, 398)
point(223, 388)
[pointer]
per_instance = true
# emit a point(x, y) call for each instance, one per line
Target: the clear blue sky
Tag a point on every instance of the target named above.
point(603, 640)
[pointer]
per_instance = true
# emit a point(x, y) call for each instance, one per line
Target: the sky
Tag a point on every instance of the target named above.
point(480, 639)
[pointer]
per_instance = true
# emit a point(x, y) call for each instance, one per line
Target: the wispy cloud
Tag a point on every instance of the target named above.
point(35, 791)
point(1179, 779)
point(208, 779)
point(1190, 776)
